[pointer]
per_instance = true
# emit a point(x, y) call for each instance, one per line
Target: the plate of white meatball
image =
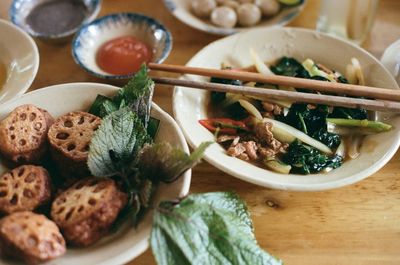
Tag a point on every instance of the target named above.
point(225, 17)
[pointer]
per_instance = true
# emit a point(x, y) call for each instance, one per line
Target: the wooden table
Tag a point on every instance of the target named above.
point(359, 224)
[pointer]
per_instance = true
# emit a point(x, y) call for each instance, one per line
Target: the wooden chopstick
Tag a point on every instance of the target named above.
point(321, 86)
point(376, 105)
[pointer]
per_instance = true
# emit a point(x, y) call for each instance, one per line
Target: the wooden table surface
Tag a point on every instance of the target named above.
point(358, 224)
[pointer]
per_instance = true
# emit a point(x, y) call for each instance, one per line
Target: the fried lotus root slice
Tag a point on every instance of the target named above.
point(23, 134)
point(69, 138)
point(24, 188)
point(86, 210)
point(30, 237)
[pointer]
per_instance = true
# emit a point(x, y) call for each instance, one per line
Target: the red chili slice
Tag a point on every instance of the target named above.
point(225, 125)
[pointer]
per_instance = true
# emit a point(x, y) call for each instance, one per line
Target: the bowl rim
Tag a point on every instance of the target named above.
point(36, 57)
point(215, 30)
point(13, 13)
point(131, 16)
point(129, 254)
point(291, 186)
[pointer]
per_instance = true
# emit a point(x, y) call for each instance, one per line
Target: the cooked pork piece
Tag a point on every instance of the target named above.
point(263, 131)
point(251, 149)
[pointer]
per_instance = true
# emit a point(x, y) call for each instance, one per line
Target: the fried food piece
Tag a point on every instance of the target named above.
point(30, 237)
point(86, 210)
point(23, 134)
point(24, 189)
point(69, 138)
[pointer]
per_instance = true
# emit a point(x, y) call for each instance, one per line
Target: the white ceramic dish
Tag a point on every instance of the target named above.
point(190, 105)
point(20, 55)
point(181, 10)
point(128, 243)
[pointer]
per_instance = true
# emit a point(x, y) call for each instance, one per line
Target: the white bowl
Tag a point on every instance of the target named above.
point(129, 242)
point(20, 55)
point(181, 10)
point(190, 105)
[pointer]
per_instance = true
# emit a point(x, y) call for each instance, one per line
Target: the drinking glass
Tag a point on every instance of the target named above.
point(391, 60)
point(349, 19)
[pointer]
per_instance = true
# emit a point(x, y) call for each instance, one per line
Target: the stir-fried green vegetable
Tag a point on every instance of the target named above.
point(315, 132)
point(305, 159)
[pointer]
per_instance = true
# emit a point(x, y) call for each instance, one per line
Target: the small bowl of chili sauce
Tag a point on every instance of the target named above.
point(53, 19)
point(116, 45)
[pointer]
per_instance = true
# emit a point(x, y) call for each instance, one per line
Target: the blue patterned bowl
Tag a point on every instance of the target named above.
point(20, 9)
point(91, 36)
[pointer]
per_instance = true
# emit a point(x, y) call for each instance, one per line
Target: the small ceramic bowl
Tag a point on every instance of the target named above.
point(20, 9)
point(91, 36)
point(21, 62)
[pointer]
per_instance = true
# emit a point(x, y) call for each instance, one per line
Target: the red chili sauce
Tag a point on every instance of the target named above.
point(123, 55)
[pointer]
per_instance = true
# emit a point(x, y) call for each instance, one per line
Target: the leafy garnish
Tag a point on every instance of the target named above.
point(136, 94)
point(116, 143)
point(213, 228)
point(210, 228)
point(162, 162)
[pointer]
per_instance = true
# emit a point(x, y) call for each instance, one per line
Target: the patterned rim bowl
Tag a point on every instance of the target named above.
point(20, 9)
point(91, 36)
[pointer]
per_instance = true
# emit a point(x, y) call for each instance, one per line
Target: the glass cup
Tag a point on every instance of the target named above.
point(391, 60)
point(349, 19)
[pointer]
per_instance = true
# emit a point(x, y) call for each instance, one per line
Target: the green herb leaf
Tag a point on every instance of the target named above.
point(102, 106)
point(211, 228)
point(136, 94)
point(116, 143)
point(153, 126)
point(162, 162)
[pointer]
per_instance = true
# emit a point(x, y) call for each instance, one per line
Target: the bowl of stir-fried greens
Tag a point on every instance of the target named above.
point(279, 143)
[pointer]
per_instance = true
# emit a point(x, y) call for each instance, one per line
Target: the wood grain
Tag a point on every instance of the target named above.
point(357, 225)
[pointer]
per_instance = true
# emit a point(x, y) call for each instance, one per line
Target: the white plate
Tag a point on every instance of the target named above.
point(190, 105)
point(128, 243)
point(181, 10)
point(20, 54)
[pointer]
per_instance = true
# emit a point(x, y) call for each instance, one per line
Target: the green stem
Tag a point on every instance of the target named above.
point(373, 125)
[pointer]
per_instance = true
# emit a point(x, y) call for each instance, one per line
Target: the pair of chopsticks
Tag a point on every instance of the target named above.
point(386, 98)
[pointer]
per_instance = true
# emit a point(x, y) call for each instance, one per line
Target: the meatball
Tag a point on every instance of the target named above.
point(24, 189)
point(23, 134)
point(86, 210)
point(30, 237)
point(224, 16)
point(203, 8)
point(268, 7)
point(69, 138)
point(248, 15)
